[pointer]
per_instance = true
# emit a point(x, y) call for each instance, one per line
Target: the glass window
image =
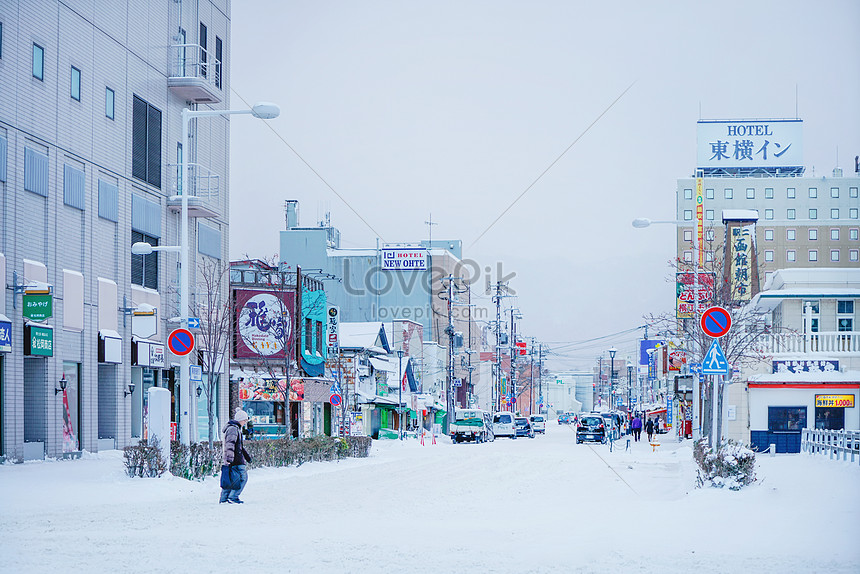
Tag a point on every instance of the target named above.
point(688, 256)
point(219, 55)
point(688, 215)
point(38, 62)
point(854, 255)
point(790, 193)
point(786, 419)
point(1, 40)
point(203, 42)
point(813, 234)
point(768, 255)
point(768, 234)
point(789, 214)
point(813, 303)
point(709, 214)
point(834, 192)
point(76, 84)
point(688, 194)
point(834, 255)
point(729, 192)
point(790, 234)
point(834, 213)
point(852, 213)
point(852, 192)
point(709, 234)
point(768, 193)
point(813, 213)
point(688, 235)
point(709, 193)
point(110, 100)
point(834, 234)
point(853, 234)
point(790, 256)
point(813, 192)
point(813, 255)
point(843, 307)
point(750, 193)
point(146, 142)
point(144, 268)
point(844, 324)
point(768, 214)
point(709, 256)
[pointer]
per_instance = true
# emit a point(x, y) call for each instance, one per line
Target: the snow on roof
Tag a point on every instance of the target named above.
point(841, 277)
point(740, 215)
point(807, 377)
point(360, 335)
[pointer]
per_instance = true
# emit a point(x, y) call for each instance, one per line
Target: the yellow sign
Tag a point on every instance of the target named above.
point(838, 401)
point(700, 220)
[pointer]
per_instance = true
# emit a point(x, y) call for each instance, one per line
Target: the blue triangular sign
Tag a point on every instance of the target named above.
point(715, 362)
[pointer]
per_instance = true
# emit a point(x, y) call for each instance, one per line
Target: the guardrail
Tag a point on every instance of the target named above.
point(835, 443)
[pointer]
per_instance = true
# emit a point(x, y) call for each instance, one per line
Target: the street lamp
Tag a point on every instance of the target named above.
point(400, 395)
point(612, 352)
point(629, 386)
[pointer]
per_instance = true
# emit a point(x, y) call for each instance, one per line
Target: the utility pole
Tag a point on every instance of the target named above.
point(497, 386)
point(540, 378)
point(532, 378)
point(513, 351)
point(449, 330)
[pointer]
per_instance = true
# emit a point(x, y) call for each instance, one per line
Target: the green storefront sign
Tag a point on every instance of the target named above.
point(38, 307)
point(38, 341)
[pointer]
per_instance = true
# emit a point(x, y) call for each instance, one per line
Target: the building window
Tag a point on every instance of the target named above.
point(729, 192)
point(813, 255)
point(843, 307)
point(1, 40)
point(834, 192)
point(76, 84)
point(790, 234)
point(768, 234)
point(790, 255)
point(834, 234)
point(852, 192)
point(688, 256)
point(790, 193)
point(813, 234)
point(709, 256)
point(709, 214)
point(202, 41)
point(110, 100)
point(852, 213)
point(750, 193)
point(146, 142)
point(853, 234)
point(688, 235)
point(688, 194)
point(845, 315)
point(768, 193)
point(688, 215)
point(782, 419)
point(834, 255)
point(319, 336)
point(309, 335)
point(768, 214)
point(789, 214)
point(709, 193)
point(834, 213)
point(219, 55)
point(38, 62)
point(144, 268)
point(709, 234)
point(768, 256)
point(813, 213)
point(813, 193)
point(853, 255)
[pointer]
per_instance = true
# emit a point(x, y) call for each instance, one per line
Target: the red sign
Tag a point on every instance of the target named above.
point(522, 346)
point(335, 399)
point(180, 342)
point(716, 322)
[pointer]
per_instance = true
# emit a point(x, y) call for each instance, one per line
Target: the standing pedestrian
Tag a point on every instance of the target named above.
point(649, 429)
point(637, 428)
point(233, 454)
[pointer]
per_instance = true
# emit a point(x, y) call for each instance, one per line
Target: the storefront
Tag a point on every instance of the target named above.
point(263, 399)
point(5, 347)
point(147, 361)
point(782, 405)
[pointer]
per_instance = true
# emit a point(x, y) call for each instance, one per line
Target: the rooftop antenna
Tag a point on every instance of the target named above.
point(430, 224)
point(796, 114)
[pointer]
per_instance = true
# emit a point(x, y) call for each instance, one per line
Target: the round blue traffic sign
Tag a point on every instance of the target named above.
point(716, 322)
point(180, 342)
point(335, 399)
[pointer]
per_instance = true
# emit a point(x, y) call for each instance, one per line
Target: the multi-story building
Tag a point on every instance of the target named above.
point(91, 96)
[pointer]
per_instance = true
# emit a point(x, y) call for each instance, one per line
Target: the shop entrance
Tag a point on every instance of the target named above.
point(829, 418)
point(108, 390)
point(35, 406)
point(72, 374)
point(144, 379)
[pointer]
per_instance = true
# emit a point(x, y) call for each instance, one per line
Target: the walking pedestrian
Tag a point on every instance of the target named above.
point(234, 455)
point(637, 428)
point(649, 429)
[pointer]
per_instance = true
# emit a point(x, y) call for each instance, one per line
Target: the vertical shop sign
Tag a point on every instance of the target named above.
point(742, 244)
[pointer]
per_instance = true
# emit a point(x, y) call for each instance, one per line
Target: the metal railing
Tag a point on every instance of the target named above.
point(202, 182)
point(826, 342)
point(835, 443)
point(192, 61)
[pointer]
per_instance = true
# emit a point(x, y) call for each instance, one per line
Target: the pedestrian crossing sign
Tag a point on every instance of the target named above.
point(715, 362)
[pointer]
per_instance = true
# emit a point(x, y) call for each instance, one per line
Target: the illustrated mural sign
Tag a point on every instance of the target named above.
point(264, 321)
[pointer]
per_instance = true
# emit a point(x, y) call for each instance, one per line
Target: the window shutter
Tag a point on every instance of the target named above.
point(108, 201)
point(35, 172)
point(153, 147)
point(138, 139)
point(74, 182)
point(2, 159)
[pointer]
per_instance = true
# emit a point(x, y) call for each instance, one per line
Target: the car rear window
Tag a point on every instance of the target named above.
point(591, 421)
point(503, 419)
point(537, 419)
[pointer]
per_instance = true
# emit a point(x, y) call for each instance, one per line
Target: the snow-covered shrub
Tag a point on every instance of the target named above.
point(144, 459)
point(196, 461)
point(732, 465)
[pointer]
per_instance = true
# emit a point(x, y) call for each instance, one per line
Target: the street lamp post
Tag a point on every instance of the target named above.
point(400, 395)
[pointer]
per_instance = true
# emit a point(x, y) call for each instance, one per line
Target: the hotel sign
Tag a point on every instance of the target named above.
point(404, 259)
point(749, 144)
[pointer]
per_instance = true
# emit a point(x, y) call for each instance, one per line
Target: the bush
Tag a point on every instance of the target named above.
point(144, 459)
point(195, 462)
point(732, 465)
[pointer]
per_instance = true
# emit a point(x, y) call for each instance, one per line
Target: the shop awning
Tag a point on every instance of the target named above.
point(110, 346)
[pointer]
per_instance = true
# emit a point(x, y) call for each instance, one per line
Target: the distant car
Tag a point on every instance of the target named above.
point(591, 428)
point(503, 424)
point(538, 423)
point(563, 419)
point(524, 428)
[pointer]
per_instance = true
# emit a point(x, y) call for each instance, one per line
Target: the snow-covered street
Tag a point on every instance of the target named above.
point(525, 505)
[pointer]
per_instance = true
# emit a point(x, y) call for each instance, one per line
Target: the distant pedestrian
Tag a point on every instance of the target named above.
point(649, 429)
point(234, 455)
point(637, 428)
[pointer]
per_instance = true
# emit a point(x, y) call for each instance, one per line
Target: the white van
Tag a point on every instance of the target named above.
point(504, 424)
point(538, 423)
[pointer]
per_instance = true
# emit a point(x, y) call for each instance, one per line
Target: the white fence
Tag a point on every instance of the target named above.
point(830, 342)
point(835, 443)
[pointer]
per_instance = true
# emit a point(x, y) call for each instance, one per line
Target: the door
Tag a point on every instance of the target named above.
point(72, 374)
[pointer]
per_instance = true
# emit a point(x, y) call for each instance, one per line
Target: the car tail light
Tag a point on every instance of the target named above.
point(601, 425)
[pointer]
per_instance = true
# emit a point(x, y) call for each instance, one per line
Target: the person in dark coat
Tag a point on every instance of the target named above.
point(233, 454)
point(636, 425)
point(649, 429)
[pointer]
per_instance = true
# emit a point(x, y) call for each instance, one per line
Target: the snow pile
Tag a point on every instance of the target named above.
point(731, 466)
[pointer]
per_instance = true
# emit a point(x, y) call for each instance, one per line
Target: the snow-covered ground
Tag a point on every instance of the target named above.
point(525, 505)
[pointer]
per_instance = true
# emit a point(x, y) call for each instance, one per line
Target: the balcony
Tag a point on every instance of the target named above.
point(831, 343)
point(203, 188)
point(191, 75)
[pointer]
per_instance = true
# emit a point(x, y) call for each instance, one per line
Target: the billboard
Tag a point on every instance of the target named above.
point(264, 323)
point(742, 245)
point(404, 258)
point(685, 297)
point(749, 144)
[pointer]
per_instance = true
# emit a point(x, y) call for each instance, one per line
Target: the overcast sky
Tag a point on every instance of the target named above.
point(456, 107)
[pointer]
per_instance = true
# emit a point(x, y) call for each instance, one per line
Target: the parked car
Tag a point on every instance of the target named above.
point(471, 425)
point(503, 424)
point(591, 428)
point(524, 428)
point(614, 422)
point(538, 423)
